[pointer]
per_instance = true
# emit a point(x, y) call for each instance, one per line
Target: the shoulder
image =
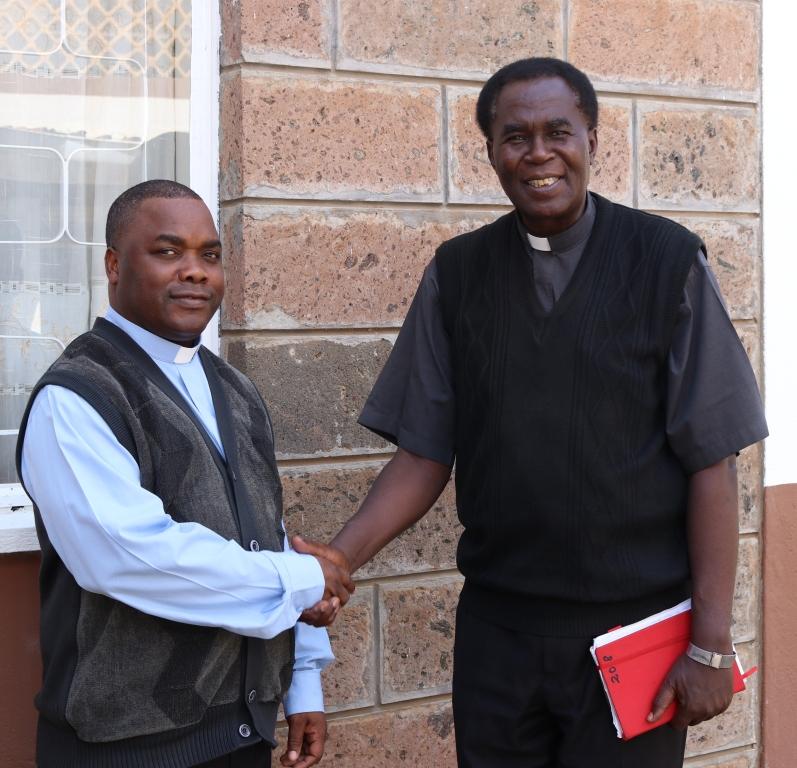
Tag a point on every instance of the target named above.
point(469, 242)
point(651, 228)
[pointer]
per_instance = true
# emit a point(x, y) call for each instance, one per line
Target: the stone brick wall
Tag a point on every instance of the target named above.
point(348, 152)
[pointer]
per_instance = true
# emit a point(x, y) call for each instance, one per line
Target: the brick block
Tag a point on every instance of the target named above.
point(471, 177)
point(418, 637)
point(322, 139)
point(314, 390)
point(697, 158)
point(734, 254)
point(275, 32)
point(750, 335)
point(740, 759)
point(612, 170)
point(456, 40)
point(319, 500)
point(421, 735)
point(749, 467)
point(683, 44)
point(350, 681)
point(734, 728)
point(329, 268)
point(747, 592)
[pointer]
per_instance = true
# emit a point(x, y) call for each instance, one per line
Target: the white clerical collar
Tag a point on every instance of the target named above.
point(539, 243)
point(156, 347)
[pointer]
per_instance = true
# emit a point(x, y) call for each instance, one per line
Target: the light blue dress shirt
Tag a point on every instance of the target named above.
point(116, 539)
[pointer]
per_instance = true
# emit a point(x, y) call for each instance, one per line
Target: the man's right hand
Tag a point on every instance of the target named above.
point(338, 584)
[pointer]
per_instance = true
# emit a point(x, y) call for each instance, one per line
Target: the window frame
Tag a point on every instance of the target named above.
point(17, 530)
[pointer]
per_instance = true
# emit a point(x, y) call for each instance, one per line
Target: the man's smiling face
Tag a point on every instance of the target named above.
point(541, 147)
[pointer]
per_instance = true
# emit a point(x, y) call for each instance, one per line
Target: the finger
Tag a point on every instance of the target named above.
point(314, 742)
point(293, 748)
point(664, 698)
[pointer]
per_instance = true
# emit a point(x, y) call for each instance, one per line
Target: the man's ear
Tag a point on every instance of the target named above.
point(490, 157)
point(592, 137)
point(112, 266)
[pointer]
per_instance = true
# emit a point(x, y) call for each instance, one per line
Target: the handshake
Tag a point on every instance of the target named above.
point(338, 584)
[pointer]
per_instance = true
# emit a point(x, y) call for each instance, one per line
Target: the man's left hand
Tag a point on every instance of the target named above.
point(307, 735)
point(700, 692)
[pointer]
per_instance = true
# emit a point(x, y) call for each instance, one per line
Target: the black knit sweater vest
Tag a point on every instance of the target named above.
point(570, 496)
point(123, 688)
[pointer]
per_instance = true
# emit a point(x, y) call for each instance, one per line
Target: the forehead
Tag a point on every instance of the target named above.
point(182, 216)
point(544, 98)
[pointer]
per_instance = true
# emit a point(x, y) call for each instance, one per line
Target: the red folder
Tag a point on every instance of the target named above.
point(634, 660)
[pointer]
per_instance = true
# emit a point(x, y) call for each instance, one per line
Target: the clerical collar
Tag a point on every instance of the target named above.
point(156, 347)
point(571, 237)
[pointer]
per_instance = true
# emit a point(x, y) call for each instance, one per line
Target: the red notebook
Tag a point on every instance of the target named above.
point(634, 660)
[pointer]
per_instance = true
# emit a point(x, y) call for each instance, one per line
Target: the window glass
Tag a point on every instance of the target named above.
point(93, 99)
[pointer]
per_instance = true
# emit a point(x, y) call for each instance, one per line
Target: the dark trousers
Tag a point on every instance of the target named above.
point(256, 756)
point(524, 701)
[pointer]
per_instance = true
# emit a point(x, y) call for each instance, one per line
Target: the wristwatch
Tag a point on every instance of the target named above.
point(710, 659)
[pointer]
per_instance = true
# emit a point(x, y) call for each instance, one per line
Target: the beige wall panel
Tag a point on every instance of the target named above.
point(447, 38)
point(315, 390)
point(274, 31)
point(312, 138)
point(418, 637)
point(699, 45)
point(698, 158)
point(419, 736)
point(350, 681)
point(329, 268)
point(319, 500)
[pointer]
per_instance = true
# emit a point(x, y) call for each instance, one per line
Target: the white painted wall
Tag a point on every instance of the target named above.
point(780, 239)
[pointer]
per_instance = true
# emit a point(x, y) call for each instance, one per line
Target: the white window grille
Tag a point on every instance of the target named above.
point(95, 96)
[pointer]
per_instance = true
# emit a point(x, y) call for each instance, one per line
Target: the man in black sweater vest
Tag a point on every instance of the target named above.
point(577, 361)
point(169, 597)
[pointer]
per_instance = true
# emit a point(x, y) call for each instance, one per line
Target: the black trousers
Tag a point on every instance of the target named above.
point(524, 701)
point(256, 756)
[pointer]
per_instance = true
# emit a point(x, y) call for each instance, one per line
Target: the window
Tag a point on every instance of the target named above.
point(94, 97)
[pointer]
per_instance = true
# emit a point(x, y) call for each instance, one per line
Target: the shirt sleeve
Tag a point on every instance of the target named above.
point(88, 492)
point(311, 655)
point(713, 404)
point(412, 403)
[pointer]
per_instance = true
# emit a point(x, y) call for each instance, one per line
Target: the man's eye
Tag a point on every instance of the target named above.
point(516, 139)
point(167, 252)
point(212, 256)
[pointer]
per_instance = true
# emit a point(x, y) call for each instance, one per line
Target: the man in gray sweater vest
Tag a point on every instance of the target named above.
point(169, 597)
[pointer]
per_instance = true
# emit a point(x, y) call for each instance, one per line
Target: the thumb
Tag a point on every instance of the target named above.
point(304, 547)
point(295, 740)
point(664, 698)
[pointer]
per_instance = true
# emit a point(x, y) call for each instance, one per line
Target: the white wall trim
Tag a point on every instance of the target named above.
point(204, 130)
point(780, 245)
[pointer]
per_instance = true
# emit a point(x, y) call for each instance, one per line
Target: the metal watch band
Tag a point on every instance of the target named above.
point(709, 658)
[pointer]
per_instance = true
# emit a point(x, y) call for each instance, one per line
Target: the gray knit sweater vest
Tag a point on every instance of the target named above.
point(113, 674)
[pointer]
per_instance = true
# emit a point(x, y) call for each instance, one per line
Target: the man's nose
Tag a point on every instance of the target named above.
point(538, 150)
point(193, 268)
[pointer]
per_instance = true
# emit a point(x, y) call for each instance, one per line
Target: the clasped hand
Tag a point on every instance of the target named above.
point(338, 584)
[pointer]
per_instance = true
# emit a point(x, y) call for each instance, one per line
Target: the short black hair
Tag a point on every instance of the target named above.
point(534, 69)
point(120, 214)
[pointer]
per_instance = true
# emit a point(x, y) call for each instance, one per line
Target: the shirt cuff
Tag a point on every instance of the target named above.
point(301, 576)
point(305, 693)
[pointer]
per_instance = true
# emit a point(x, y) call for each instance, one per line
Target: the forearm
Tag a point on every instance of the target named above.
point(402, 494)
point(713, 536)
